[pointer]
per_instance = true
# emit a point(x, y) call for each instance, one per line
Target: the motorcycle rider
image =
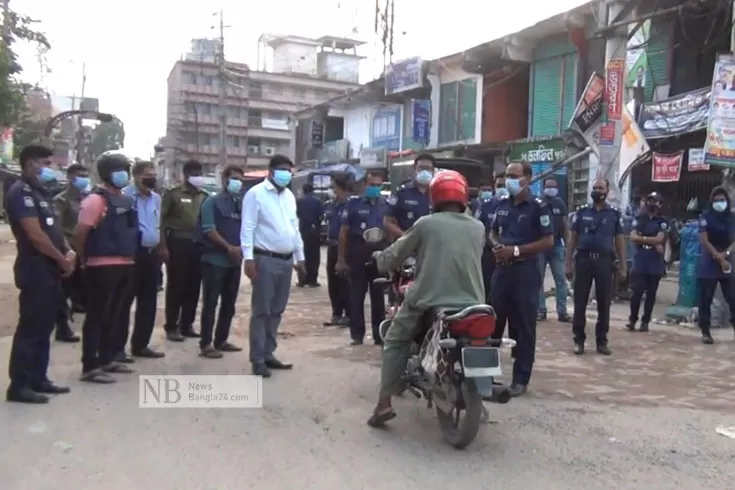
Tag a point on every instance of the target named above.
point(450, 243)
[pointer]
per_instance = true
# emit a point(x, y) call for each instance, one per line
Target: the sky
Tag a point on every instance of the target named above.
point(128, 48)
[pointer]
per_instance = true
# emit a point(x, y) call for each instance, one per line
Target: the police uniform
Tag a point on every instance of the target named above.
point(595, 260)
point(310, 211)
point(720, 229)
point(408, 205)
point(179, 213)
point(648, 268)
point(515, 283)
point(555, 258)
point(39, 280)
point(337, 286)
point(361, 214)
point(485, 213)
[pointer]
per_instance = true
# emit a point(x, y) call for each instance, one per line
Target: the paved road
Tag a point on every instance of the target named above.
point(643, 418)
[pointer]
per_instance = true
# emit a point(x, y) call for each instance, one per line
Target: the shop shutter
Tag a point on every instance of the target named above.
point(569, 102)
point(546, 98)
point(657, 49)
point(467, 109)
point(448, 112)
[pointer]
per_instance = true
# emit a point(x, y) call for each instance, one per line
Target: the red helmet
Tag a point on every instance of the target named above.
point(449, 186)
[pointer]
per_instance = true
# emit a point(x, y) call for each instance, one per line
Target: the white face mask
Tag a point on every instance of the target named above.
point(196, 180)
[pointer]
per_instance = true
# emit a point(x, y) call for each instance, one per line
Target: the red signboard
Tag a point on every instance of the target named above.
point(666, 168)
point(614, 89)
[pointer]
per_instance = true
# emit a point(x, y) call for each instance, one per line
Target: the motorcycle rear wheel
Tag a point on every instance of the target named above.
point(461, 433)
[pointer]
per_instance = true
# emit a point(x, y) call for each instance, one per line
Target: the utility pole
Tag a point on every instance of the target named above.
point(80, 126)
point(222, 98)
point(384, 22)
point(6, 21)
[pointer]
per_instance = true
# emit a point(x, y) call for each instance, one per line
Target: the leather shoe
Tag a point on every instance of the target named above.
point(579, 349)
point(25, 395)
point(190, 333)
point(276, 364)
point(517, 390)
point(604, 350)
point(148, 353)
point(49, 388)
point(260, 369)
point(228, 347)
point(174, 336)
point(68, 337)
point(123, 358)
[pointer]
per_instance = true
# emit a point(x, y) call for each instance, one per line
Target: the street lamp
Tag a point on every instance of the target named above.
point(53, 121)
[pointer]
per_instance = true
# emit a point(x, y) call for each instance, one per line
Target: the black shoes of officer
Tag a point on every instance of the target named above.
point(67, 337)
point(565, 318)
point(190, 333)
point(260, 369)
point(332, 321)
point(707, 339)
point(517, 390)
point(180, 336)
point(174, 336)
point(148, 353)
point(276, 364)
point(578, 349)
point(49, 388)
point(356, 342)
point(36, 395)
point(601, 349)
point(631, 327)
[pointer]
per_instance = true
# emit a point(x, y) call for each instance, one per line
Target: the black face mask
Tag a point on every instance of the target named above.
point(652, 208)
point(149, 182)
point(597, 196)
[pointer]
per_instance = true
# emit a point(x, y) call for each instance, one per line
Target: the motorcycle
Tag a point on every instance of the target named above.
point(453, 362)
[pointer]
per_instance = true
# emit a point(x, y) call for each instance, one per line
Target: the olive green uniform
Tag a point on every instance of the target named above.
point(67, 205)
point(448, 248)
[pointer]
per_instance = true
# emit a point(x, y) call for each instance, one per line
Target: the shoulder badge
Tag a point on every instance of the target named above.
point(28, 202)
point(26, 188)
point(392, 200)
point(545, 220)
point(703, 222)
point(664, 225)
point(634, 223)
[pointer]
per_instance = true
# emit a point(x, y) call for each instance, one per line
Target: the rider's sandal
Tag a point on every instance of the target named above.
point(97, 377)
point(378, 419)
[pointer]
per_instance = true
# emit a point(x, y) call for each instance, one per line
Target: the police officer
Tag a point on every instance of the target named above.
point(556, 255)
point(648, 235)
point(485, 212)
point(220, 221)
point(717, 236)
point(337, 284)
point(360, 214)
point(43, 258)
point(484, 193)
point(310, 210)
point(66, 205)
point(521, 230)
point(411, 201)
point(179, 212)
point(596, 231)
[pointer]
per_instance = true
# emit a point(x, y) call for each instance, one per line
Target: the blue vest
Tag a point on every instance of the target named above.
point(117, 233)
point(227, 221)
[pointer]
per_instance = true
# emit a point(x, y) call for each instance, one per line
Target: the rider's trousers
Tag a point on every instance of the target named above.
point(397, 348)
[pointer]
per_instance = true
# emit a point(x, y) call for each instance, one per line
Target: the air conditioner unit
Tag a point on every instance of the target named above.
point(269, 151)
point(253, 149)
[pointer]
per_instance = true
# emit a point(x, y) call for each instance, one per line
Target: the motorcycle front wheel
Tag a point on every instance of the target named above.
point(460, 426)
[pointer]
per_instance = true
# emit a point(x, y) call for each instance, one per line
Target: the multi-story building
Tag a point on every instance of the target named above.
point(258, 103)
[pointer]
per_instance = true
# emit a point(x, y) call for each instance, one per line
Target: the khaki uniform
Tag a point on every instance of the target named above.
point(180, 210)
point(66, 207)
point(448, 249)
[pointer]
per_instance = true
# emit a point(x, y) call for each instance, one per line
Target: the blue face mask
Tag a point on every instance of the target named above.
point(513, 185)
point(81, 183)
point(282, 177)
point(46, 175)
point(234, 186)
point(372, 192)
point(423, 177)
point(120, 178)
point(551, 192)
point(486, 195)
point(503, 192)
point(719, 206)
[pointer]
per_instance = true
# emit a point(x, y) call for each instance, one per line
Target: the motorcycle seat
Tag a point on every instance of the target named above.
point(454, 314)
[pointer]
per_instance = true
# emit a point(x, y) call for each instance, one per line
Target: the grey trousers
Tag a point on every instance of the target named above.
point(268, 300)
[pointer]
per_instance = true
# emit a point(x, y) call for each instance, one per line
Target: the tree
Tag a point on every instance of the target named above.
point(12, 89)
point(106, 137)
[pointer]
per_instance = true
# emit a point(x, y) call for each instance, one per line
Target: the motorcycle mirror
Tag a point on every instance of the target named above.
point(373, 235)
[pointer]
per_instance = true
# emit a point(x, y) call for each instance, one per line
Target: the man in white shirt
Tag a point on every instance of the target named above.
point(271, 246)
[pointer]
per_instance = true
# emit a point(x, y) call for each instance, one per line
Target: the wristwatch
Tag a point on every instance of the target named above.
point(516, 251)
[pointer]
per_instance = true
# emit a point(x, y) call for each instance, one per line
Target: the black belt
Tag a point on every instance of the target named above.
point(588, 254)
point(511, 262)
point(275, 255)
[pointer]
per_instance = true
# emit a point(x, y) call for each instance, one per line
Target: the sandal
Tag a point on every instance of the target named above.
point(116, 368)
point(97, 376)
point(378, 419)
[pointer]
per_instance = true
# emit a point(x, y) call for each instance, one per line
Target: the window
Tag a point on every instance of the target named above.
point(233, 141)
point(299, 92)
point(204, 109)
point(208, 80)
point(204, 139)
point(189, 77)
point(276, 89)
point(457, 111)
point(385, 127)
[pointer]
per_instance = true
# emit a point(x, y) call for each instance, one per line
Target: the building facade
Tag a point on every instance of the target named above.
point(257, 109)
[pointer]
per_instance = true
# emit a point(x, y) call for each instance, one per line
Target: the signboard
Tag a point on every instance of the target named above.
point(607, 134)
point(317, 134)
point(334, 152)
point(680, 114)
point(695, 162)
point(666, 168)
point(719, 147)
point(373, 158)
point(540, 155)
point(636, 59)
point(421, 121)
point(589, 108)
point(386, 128)
point(614, 89)
point(404, 75)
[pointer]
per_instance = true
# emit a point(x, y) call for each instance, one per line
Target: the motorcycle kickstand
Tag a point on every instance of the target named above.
point(414, 392)
point(429, 401)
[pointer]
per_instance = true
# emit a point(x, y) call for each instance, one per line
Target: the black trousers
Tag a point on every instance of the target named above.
point(707, 288)
point(514, 296)
point(337, 285)
point(488, 266)
point(312, 255)
point(643, 284)
point(361, 281)
point(589, 268)
point(73, 290)
point(108, 293)
point(144, 291)
point(219, 285)
point(29, 355)
point(184, 277)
